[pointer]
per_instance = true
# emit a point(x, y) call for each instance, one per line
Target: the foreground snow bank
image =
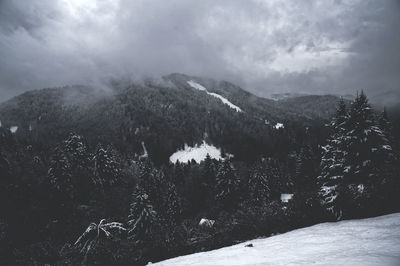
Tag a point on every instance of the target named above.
point(374, 241)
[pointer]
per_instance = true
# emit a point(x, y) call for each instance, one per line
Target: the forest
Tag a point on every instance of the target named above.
point(89, 196)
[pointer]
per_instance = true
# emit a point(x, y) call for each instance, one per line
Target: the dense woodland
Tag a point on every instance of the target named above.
point(76, 189)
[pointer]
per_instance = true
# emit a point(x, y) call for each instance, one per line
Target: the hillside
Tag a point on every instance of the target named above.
point(374, 241)
point(167, 115)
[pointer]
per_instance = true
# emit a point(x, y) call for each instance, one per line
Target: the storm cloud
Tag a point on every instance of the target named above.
point(326, 46)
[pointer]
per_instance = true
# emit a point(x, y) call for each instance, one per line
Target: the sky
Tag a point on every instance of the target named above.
point(270, 46)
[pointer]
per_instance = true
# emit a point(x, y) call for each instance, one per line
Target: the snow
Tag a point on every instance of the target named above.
point(197, 86)
point(13, 129)
point(145, 153)
point(286, 197)
point(278, 126)
point(387, 147)
point(373, 241)
point(198, 153)
point(206, 222)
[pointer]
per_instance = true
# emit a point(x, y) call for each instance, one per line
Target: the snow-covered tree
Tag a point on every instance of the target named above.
point(367, 150)
point(106, 169)
point(76, 148)
point(95, 233)
point(227, 188)
point(332, 163)
point(142, 217)
point(355, 161)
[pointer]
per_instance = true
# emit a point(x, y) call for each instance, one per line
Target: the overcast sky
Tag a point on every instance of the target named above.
point(326, 46)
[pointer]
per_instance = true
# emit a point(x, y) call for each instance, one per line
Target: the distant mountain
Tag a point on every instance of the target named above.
point(165, 115)
point(286, 95)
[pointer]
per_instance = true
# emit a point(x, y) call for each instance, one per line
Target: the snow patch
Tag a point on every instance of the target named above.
point(197, 153)
point(374, 241)
point(278, 126)
point(13, 129)
point(286, 197)
point(197, 86)
point(145, 153)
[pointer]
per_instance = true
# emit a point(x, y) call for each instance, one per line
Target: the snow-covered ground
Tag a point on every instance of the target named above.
point(198, 153)
point(13, 129)
point(374, 241)
point(224, 100)
point(279, 125)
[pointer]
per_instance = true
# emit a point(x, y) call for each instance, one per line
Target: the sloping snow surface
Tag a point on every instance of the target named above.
point(198, 153)
point(374, 241)
point(224, 100)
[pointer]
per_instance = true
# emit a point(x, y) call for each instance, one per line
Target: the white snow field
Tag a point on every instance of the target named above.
point(373, 241)
point(198, 153)
point(224, 100)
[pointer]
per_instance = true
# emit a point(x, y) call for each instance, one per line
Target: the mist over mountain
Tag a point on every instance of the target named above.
point(132, 132)
point(266, 47)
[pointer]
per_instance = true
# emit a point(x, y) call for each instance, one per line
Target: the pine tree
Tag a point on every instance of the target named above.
point(306, 171)
point(179, 174)
point(106, 167)
point(60, 175)
point(227, 187)
point(258, 184)
point(173, 204)
point(355, 162)
point(76, 149)
point(142, 217)
point(368, 152)
point(208, 172)
point(332, 164)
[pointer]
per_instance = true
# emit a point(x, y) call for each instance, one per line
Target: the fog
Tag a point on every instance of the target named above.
point(327, 46)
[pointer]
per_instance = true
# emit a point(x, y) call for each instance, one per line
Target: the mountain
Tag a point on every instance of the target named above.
point(374, 241)
point(165, 115)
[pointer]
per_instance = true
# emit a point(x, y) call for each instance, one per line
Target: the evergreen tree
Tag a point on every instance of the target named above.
point(368, 154)
point(60, 175)
point(227, 188)
point(306, 171)
point(258, 184)
point(332, 164)
point(173, 204)
point(355, 162)
point(208, 171)
point(142, 217)
point(385, 124)
point(179, 174)
point(106, 167)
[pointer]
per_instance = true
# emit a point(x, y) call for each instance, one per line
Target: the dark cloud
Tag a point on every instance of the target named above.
point(321, 46)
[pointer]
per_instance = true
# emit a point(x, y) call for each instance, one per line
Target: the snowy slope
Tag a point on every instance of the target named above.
point(197, 86)
point(198, 153)
point(374, 241)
